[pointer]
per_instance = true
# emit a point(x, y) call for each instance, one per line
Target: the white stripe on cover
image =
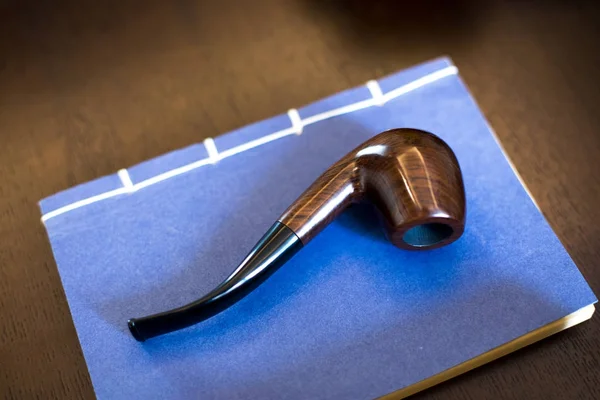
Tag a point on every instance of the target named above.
point(376, 92)
point(296, 120)
point(211, 149)
point(298, 124)
point(125, 179)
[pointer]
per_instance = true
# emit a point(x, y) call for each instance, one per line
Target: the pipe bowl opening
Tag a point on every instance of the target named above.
point(426, 235)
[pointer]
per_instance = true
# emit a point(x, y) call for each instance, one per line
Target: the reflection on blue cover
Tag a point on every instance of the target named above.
point(350, 316)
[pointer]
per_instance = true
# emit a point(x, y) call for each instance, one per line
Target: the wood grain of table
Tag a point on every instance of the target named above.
point(89, 87)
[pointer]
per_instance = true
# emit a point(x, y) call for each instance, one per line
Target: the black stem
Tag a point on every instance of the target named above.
point(273, 250)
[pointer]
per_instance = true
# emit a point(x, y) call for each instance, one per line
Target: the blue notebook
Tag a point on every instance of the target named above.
point(350, 316)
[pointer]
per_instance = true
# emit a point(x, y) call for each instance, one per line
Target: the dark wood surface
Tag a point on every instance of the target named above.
point(411, 176)
point(89, 87)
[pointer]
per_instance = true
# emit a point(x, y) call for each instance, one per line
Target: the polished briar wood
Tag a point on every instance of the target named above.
point(411, 176)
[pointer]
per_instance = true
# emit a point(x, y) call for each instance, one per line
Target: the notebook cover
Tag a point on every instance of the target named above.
point(350, 316)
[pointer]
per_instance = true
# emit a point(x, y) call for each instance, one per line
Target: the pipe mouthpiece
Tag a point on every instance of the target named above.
point(134, 331)
point(273, 250)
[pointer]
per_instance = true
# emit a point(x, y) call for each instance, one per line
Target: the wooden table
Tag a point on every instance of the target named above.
point(89, 87)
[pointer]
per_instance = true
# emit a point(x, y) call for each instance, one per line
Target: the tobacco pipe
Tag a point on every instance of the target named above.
point(412, 178)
